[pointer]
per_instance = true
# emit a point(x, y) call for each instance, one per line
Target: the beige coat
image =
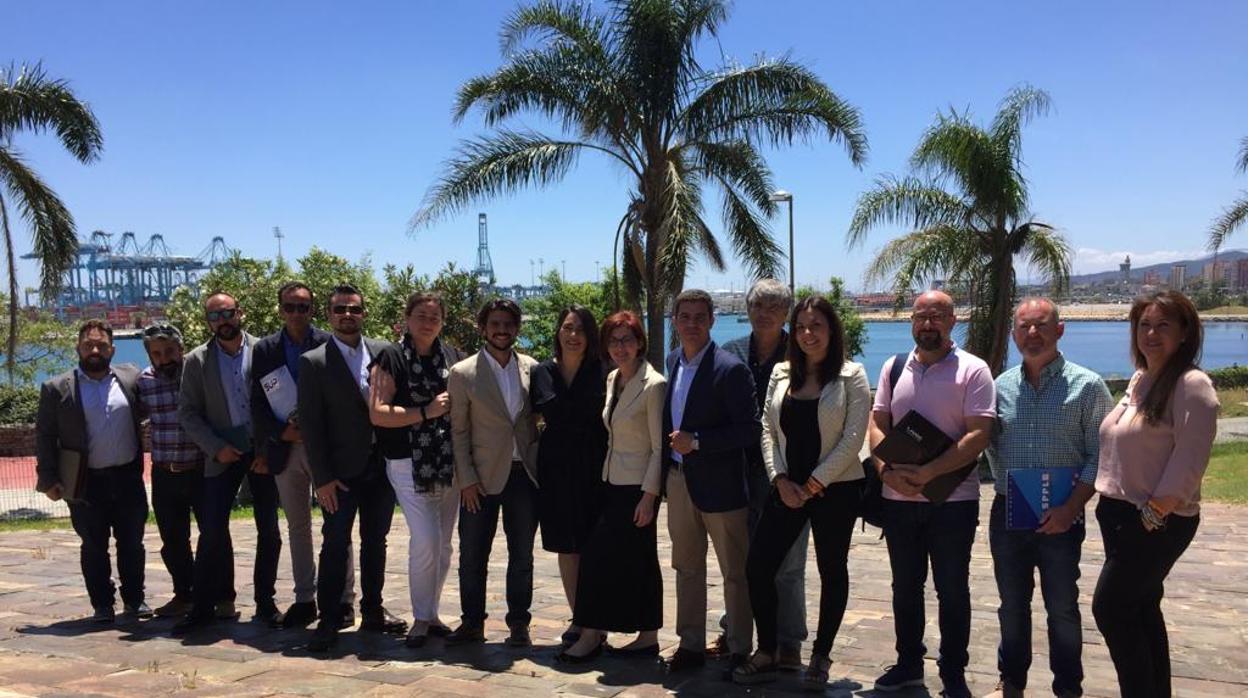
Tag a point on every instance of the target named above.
point(635, 430)
point(483, 436)
point(844, 409)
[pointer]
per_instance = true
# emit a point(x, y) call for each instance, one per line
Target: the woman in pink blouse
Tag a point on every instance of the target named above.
point(1154, 449)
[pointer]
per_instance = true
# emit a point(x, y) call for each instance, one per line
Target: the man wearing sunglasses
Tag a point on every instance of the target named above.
point(347, 469)
point(275, 427)
point(214, 406)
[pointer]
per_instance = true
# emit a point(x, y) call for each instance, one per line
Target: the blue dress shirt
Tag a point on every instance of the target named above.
point(110, 425)
point(686, 369)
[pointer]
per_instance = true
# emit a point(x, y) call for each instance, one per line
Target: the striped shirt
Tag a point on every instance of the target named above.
point(1055, 426)
point(158, 400)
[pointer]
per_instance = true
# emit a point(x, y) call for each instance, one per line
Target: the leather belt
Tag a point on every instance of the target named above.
point(178, 467)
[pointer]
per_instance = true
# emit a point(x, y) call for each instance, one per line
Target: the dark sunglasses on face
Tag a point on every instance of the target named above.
point(348, 309)
point(219, 315)
point(296, 308)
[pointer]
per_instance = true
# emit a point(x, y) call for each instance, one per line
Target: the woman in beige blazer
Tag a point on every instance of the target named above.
point(620, 588)
point(814, 422)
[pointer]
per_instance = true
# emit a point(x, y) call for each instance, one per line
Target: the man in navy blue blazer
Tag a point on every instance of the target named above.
point(711, 418)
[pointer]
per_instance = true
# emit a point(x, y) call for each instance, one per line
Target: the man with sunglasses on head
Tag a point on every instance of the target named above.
point(214, 406)
point(275, 429)
point(347, 468)
point(177, 463)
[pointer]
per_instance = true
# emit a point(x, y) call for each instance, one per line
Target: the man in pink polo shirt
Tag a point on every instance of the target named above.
point(954, 390)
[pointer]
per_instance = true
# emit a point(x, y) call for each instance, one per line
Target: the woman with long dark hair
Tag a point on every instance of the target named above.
point(814, 422)
point(1155, 447)
point(409, 406)
point(620, 587)
point(569, 392)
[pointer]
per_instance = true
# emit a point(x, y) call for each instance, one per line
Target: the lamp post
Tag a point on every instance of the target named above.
point(783, 196)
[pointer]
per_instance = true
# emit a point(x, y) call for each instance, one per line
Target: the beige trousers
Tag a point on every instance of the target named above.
point(688, 528)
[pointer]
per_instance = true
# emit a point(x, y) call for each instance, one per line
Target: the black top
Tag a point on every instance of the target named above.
point(799, 420)
point(417, 380)
point(573, 414)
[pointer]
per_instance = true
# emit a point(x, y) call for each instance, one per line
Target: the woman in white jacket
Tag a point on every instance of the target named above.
point(814, 422)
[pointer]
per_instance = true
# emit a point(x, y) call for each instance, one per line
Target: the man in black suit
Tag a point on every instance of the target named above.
point(274, 373)
point(711, 419)
point(346, 467)
point(91, 413)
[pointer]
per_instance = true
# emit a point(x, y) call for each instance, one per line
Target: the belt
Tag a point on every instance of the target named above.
point(675, 465)
point(178, 467)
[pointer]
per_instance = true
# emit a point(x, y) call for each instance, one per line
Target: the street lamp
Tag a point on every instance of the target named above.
point(783, 196)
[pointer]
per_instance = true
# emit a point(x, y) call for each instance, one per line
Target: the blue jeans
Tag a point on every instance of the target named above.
point(518, 504)
point(917, 532)
point(1016, 555)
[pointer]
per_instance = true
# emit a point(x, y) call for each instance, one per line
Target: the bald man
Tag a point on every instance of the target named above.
point(954, 391)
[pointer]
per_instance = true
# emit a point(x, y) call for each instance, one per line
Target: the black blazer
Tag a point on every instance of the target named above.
point(333, 417)
point(60, 423)
point(266, 430)
point(722, 411)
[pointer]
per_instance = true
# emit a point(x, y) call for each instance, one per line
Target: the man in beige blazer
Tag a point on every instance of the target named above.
point(494, 440)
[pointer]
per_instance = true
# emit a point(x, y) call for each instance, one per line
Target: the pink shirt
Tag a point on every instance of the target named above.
point(1141, 461)
point(946, 393)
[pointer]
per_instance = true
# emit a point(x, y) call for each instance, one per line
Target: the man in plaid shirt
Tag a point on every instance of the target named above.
point(177, 463)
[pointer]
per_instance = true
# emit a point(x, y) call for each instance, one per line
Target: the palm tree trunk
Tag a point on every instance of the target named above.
point(10, 351)
point(999, 317)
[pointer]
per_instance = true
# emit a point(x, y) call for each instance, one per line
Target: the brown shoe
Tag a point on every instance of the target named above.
point(465, 634)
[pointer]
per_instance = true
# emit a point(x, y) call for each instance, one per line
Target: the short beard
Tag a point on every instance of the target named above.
point(227, 333)
point(510, 343)
point(93, 364)
point(170, 370)
point(928, 341)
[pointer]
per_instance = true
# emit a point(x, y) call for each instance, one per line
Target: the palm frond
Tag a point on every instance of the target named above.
point(908, 202)
point(739, 164)
point(491, 166)
point(553, 22)
point(940, 251)
point(1233, 218)
point(31, 101)
point(776, 102)
point(681, 228)
point(1047, 252)
point(1020, 106)
point(958, 149)
point(51, 224)
point(1241, 163)
point(750, 235)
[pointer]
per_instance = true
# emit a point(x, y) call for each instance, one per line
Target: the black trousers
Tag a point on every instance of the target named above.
point(116, 505)
point(831, 518)
point(1127, 601)
point(175, 497)
point(372, 498)
point(214, 564)
point(517, 504)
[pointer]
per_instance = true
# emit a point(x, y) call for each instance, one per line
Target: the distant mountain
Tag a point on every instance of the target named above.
point(1194, 269)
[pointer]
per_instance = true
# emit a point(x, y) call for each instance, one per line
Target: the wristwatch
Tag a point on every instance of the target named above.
point(695, 441)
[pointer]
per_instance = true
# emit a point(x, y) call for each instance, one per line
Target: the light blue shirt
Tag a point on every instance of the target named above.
point(686, 369)
point(234, 383)
point(110, 425)
point(357, 359)
point(1057, 425)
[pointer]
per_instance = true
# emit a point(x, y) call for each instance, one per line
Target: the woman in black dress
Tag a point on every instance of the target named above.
point(568, 391)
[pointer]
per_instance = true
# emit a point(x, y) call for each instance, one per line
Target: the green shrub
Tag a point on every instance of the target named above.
point(18, 404)
point(1230, 377)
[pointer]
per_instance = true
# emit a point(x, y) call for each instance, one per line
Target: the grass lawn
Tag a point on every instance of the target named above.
point(1226, 480)
point(1234, 402)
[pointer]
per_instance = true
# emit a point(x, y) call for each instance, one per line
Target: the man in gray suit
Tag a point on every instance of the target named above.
point(347, 470)
point(214, 407)
point(91, 414)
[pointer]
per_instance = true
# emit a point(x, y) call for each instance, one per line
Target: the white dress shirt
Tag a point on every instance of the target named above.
point(357, 359)
point(508, 379)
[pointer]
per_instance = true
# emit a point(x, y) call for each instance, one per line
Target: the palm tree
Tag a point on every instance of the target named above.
point(1235, 216)
point(31, 101)
point(627, 85)
point(970, 218)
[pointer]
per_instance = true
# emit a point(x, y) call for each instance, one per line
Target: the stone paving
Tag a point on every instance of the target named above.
point(46, 649)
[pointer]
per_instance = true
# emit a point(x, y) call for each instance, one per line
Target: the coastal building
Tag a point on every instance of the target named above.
point(1124, 271)
point(1178, 277)
point(1241, 274)
point(1218, 273)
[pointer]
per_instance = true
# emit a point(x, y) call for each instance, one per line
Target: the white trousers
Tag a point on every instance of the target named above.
point(430, 522)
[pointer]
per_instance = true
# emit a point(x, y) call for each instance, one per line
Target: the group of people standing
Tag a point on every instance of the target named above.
point(754, 445)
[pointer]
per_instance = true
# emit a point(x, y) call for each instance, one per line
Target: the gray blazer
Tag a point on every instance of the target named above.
point(60, 423)
point(333, 416)
point(202, 406)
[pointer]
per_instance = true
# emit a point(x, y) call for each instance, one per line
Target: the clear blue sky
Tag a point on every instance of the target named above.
point(331, 120)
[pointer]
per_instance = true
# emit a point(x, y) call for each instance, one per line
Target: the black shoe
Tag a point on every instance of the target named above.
point(348, 617)
point(192, 623)
point(176, 608)
point(647, 651)
point(955, 686)
point(382, 621)
point(323, 638)
point(719, 647)
point(465, 634)
point(140, 611)
point(685, 660)
point(267, 614)
point(299, 615)
point(416, 637)
point(104, 614)
point(565, 658)
point(225, 610)
point(897, 677)
point(520, 637)
point(439, 630)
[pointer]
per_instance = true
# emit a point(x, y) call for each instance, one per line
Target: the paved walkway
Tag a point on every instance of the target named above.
point(44, 651)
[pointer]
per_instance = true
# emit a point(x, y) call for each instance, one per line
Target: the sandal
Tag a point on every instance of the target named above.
point(761, 668)
point(815, 678)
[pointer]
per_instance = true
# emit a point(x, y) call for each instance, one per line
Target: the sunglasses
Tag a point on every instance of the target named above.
point(219, 315)
point(296, 308)
point(348, 310)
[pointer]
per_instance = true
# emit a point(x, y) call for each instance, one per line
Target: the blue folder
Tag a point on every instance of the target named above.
point(1032, 491)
